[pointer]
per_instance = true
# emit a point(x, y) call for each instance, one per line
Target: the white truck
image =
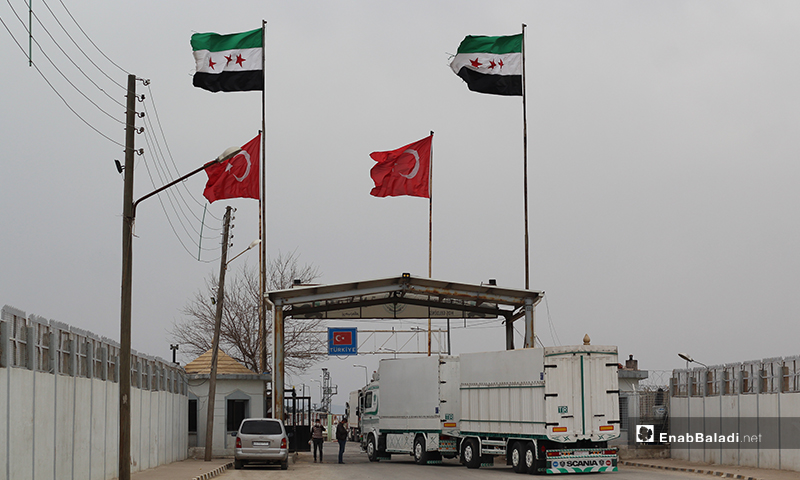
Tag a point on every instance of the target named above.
point(547, 410)
point(352, 412)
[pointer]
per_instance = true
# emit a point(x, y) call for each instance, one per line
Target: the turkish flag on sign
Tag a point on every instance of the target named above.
point(236, 177)
point(342, 338)
point(405, 171)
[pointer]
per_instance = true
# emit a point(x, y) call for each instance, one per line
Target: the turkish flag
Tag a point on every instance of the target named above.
point(236, 177)
point(343, 338)
point(405, 171)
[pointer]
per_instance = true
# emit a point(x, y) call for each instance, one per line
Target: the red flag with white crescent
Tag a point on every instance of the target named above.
point(404, 171)
point(236, 177)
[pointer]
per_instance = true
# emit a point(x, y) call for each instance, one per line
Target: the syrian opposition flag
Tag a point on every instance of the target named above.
point(236, 177)
point(490, 64)
point(404, 171)
point(229, 63)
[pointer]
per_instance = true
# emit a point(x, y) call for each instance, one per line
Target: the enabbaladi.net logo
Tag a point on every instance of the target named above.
point(738, 433)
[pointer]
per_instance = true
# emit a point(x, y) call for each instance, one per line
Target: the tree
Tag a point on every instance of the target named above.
point(303, 345)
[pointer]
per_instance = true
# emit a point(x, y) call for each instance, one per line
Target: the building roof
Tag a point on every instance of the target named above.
point(225, 364)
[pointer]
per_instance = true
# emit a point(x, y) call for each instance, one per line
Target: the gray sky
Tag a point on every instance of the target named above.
point(662, 160)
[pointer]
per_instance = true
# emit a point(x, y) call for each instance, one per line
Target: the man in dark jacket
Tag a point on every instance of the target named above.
point(317, 432)
point(341, 436)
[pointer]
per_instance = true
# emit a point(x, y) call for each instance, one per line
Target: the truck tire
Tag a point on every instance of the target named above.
point(372, 449)
point(471, 453)
point(518, 457)
point(420, 454)
point(531, 465)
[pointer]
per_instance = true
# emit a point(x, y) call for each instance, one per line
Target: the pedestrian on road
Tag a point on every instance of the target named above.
point(341, 435)
point(317, 431)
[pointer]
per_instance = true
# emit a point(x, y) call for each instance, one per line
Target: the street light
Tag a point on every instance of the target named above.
point(366, 375)
point(128, 219)
point(689, 359)
point(252, 244)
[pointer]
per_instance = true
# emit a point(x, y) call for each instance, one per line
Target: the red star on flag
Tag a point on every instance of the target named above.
point(492, 64)
point(228, 59)
point(500, 62)
point(475, 63)
point(211, 64)
point(240, 60)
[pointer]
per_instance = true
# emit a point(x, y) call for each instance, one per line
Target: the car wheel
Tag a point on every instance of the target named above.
point(471, 453)
point(420, 455)
point(372, 449)
point(238, 464)
point(518, 457)
point(285, 465)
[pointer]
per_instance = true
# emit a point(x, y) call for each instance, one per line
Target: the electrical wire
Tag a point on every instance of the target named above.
point(553, 332)
point(59, 70)
point(90, 40)
point(55, 90)
point(84, 54)
point(169, 152)
point(168, 175)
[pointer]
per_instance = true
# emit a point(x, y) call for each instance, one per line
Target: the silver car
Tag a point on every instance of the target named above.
point(261, 440)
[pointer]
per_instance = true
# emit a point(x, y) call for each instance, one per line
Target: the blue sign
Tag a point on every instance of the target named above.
point(342, 341)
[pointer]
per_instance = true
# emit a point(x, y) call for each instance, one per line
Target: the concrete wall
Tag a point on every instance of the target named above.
point(761, 397)
point(59, 404)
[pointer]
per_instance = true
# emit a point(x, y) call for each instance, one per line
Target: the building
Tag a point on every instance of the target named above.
point(239, 395)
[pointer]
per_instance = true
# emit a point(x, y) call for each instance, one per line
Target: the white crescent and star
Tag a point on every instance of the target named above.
point(246, 172)
point(416, 165)
point(339, 338)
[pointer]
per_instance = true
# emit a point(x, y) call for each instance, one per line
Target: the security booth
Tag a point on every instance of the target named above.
point(405, 296)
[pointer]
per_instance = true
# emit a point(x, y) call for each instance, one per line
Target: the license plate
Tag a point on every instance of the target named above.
point(261, 444)
point(581, 453)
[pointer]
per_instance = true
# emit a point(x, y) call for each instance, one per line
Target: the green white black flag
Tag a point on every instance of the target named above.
point(229, 63)
point(490, 64)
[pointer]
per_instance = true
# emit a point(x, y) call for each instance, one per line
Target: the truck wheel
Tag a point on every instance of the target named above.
point(531, 465)
point(238, 464)
point(471, 453)
point(420, 455)
point(518, 457)
point(372, 449)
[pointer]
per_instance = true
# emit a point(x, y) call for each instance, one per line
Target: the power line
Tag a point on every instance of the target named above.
point(75, 64)
point(36, 66)
point(90, 40)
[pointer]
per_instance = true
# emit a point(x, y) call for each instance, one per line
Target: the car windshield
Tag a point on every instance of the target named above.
point(261, 427)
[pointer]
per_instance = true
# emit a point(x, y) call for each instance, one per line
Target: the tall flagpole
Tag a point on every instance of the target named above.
point(430, 229)
point(262, 213)
point(525, 162)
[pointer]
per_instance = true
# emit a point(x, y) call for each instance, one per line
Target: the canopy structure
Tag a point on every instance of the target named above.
point(397, 297)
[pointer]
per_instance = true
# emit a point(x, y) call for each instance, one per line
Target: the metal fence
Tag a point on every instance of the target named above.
point(49, 346)
point(770, 375)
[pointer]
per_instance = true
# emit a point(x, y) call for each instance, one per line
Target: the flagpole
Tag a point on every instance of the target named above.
point(262, 214)
point(430, 230)
point(525, 163)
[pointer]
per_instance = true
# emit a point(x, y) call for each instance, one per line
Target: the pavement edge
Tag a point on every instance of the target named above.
point(215, 472)
point(716, 473)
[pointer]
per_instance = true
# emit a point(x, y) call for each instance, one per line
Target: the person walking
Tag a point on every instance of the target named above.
point(317, 431)
point(341, 436)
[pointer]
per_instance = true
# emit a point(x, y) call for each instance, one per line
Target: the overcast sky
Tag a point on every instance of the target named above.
point(662, 154)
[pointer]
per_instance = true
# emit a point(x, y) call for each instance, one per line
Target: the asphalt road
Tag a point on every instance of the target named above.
point(401, 467)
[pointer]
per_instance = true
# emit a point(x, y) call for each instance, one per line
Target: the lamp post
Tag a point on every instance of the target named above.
point(689, 359)
point(252, 244)
point(366, 375)
point(128, 219)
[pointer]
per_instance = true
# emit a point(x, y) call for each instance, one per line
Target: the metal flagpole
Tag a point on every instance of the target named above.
point(525, 164)
point(430, 229)
point(262, 213)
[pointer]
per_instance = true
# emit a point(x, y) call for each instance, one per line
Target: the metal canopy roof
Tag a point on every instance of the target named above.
point(420, 297)
point(443, 299)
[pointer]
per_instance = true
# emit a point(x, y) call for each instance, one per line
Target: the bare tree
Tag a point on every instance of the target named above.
point(239, 329)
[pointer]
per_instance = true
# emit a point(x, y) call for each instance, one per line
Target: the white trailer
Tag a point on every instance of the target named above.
point(353, 413)
point(547, 410)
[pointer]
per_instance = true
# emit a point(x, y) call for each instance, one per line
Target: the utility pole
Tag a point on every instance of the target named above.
point(127, 278)
point(212, 383)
